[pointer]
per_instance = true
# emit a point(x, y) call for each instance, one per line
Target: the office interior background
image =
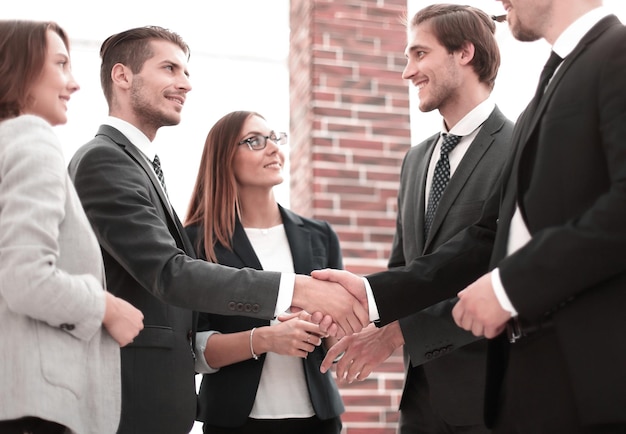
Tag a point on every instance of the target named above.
point(239, 61)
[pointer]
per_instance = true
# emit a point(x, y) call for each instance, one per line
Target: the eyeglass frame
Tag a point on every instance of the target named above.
point(278, 138)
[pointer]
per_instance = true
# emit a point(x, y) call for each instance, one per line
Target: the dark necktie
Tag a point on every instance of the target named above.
point(156, 164)
point(440, 179)
point(546, 74)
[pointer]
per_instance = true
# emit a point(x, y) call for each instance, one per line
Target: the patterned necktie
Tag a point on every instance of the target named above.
point(440, 179)
point(546, 74)
point(156, 164)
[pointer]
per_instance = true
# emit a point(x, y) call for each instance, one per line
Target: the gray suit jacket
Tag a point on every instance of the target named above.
point(56, 362)
point(456, 381)
point(150, 262)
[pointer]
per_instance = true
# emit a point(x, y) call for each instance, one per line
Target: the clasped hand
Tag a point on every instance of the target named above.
point(339, 296)
point(479, 311)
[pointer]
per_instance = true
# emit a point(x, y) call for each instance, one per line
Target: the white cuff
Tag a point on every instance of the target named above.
point(371, 303)
point(498, 289)
point(285, 293)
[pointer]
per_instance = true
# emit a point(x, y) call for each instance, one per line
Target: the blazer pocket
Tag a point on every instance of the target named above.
point(63, 358)
point(154, 337)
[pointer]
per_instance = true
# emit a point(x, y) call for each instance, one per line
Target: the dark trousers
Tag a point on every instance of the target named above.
point(417, 416)
point(537, 397)
point(30, 425)
point(311, 425)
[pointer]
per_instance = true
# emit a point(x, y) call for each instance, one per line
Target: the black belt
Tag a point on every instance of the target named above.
point(518, 328)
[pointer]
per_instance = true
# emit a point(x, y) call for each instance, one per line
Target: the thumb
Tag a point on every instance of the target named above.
point(323, 274)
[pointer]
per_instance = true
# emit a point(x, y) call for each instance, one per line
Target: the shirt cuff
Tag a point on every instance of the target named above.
point(371, 303)
point(202, 367)
point(285, 293)
point(498, 289)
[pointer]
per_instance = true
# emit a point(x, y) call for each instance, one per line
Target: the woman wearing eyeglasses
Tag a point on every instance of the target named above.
point(259, 376)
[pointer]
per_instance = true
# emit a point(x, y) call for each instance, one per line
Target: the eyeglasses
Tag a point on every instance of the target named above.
point(259, 141)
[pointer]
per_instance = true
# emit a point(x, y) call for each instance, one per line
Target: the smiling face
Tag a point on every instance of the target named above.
point(261, 169)
point(50, 93)
point(432, 69)
point(158, 91)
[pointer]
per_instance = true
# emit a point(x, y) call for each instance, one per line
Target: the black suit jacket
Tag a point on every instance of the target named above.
point(149, 261)
point(569, 178)
point(456, 380)
point(226, 397)
point(568, 174)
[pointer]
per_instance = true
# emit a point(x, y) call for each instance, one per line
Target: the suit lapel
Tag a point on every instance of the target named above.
point(418, 192)
point(477, 149)
point(243, 249)
point(298, 236)
point(122, 141)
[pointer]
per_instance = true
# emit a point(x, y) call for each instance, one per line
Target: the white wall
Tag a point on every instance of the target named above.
point(239, 52)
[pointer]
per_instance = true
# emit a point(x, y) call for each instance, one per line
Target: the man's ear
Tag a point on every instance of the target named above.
point(466, 53)
point(121, 76)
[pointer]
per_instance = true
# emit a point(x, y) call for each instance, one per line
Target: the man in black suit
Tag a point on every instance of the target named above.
point(553, 305)
point(149, 260)
point(559, 251)
point(453, 59)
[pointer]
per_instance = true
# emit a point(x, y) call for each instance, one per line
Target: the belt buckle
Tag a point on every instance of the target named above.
point(514, 330)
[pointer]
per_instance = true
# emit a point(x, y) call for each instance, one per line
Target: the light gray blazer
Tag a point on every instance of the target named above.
point(56, 360)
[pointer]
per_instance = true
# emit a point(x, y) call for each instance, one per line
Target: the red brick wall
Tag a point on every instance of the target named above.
point(349, 132)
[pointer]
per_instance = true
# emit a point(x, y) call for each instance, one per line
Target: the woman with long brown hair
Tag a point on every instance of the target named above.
point(259, 376)
point(61, 331)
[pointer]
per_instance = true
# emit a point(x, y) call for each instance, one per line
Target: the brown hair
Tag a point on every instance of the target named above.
point(453, 25)
point(132, 48)
point(23, 50)
point(214, 201)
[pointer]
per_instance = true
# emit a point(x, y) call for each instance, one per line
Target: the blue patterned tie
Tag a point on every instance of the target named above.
point(440, 179)
point(156, 164)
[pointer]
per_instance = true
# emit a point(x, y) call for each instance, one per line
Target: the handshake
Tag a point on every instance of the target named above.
point(338, 303)
point(337, 298)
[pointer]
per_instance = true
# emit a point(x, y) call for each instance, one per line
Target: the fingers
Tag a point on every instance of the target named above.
point(332, 354)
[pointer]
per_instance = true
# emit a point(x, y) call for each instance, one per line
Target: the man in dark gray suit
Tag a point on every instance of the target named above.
point(453, 58)
point(149, 260)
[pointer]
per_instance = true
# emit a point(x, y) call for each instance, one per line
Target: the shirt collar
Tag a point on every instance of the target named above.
point(572, 35)
point(475, 118)
point(136, 137)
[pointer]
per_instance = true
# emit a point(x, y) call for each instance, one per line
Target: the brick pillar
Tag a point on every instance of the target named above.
point(350, 130)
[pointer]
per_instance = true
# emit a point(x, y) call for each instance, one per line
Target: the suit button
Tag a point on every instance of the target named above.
point(68, 327)
point(231, 305)
point(255, 308)
point(239, 307)
point(247, 307)
point(429, 355)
